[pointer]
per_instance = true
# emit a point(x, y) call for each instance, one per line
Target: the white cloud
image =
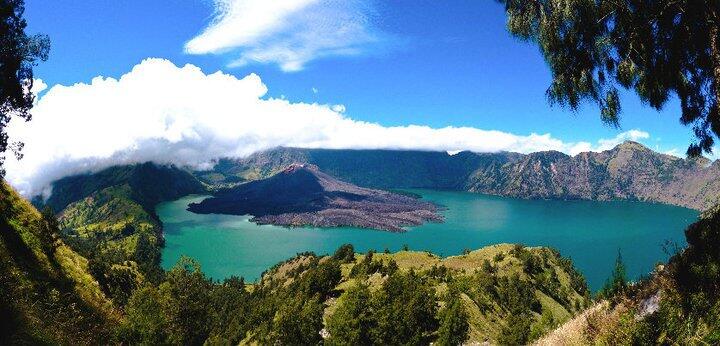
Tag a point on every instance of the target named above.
point(673, 152)
point(168, 114)
point(289, 33)
point(38, 86)
point(632, 135)
point(607, 143)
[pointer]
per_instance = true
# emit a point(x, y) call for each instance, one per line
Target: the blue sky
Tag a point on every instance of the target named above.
point(391, 63)
point(447, 63)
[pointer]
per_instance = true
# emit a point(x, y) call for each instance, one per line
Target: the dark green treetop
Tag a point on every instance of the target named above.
point(659, 48)
point(454, 321)
point(617, 283)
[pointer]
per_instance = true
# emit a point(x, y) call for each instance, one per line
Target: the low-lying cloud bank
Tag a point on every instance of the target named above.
point(168, 114)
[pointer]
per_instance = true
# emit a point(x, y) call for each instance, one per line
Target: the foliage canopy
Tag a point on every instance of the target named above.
point(19, 54)
point(659, 48)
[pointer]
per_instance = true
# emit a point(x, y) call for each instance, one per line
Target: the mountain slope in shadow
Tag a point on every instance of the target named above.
point(302, 195)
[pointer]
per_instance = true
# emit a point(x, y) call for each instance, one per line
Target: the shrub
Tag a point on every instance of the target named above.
point(345, 254)
point(404, 310)
point(617, 283)
point(352, 322)
point(498, 257)
point(454, 323)
point(516, 330)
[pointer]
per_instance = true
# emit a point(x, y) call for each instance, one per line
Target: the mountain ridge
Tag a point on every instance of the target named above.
point(112, 213)
point(301, 195)
point(629, 171)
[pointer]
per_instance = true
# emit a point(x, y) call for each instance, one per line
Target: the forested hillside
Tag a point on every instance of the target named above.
point(502, 294)
point(47, 294)
point(109, 217)
point(117, 204)
point(505, 293)
point(149, 184)
point(679, 303)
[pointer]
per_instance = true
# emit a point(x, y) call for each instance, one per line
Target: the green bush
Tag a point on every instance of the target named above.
point(352, 322)
point(516, 330)
point(454, 323)
point(345, 254)
point(617, 283)
point(405, 311)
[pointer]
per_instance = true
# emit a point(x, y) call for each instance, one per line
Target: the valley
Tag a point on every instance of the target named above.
point(486, 293)
point(112, 213)
point(241, 172)
point(132, 226)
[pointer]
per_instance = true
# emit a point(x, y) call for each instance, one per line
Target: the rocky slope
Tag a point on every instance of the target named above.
point(630, 171)
point(303, 195)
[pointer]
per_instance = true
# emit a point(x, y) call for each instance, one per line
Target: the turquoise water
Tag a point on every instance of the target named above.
point(588, 232)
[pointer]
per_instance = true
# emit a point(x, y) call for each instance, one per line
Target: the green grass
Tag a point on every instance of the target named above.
point(487, 314)
point(107, 210)
point(47, 295)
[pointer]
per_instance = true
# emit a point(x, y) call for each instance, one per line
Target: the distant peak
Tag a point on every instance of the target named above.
point(294, 167)
point(549, 154)
point(628, 144)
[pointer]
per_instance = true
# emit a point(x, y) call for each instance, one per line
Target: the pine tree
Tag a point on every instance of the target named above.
point(49, 229)
point(454, 323)
point(657, 48)
point(351, 323)
point(617, 283)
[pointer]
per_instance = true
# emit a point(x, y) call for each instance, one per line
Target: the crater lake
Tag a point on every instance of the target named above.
point(589, 232)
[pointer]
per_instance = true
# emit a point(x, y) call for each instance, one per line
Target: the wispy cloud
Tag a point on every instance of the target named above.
point(608, 143)
point(673, 152)
point(631, 135)
point(289, 33)
point(168, 114)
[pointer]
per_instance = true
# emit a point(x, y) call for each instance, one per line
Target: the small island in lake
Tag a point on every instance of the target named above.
point(302, 195)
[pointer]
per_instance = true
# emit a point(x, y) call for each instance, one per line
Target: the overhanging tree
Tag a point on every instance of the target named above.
point(658, 48)
point(19, 53)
